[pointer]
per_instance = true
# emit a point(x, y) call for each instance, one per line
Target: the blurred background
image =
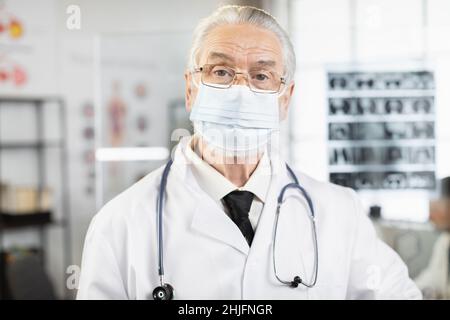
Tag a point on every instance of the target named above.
point(92, 99)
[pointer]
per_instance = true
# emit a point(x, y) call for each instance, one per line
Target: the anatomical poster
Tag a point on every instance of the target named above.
point(27, 47)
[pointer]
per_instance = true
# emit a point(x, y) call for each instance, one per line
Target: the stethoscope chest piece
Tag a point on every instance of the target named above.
point(164, 292)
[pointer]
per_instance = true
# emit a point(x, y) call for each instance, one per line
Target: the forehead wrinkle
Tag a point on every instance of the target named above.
point(243, 41)
point(233, 47)
point(239, 54)
point(215, 54)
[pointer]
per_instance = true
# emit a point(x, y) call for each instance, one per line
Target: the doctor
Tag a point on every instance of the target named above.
point(228, 219)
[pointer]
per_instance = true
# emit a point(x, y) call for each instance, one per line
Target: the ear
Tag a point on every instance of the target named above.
point(284, 100)
point(188, 90)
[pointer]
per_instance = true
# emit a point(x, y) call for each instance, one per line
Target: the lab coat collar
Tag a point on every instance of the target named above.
point(213, 182)
point(181, 163)
point(259, 181)
point(210, 220)
point(217, 186)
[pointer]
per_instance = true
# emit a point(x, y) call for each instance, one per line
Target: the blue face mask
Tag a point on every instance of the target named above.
point(236, 119)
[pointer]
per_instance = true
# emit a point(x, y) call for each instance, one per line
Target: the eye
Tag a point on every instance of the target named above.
point(221, 73)
point(261, 77)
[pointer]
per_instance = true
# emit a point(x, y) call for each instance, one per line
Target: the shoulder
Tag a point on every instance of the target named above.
point(337, 209)
point(117, 212)
point(326, 190)
point(332, 203)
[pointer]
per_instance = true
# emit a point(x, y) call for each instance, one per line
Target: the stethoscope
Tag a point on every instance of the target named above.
point(166, 292)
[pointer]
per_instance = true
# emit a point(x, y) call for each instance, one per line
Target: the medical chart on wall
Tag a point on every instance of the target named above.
point(381, 130)
point(27, 47)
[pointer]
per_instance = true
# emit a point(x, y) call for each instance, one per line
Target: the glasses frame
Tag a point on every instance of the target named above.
point(200, 69)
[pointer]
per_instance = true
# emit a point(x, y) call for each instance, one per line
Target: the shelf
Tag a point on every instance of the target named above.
point(29, 99)
point(30, 145)
point(22, 220)
point(42, 220)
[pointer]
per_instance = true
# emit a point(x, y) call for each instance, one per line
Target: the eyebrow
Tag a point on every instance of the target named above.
point(220, 55)
point(269, 63)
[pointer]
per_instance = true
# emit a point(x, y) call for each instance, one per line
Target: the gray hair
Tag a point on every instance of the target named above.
point(233, 14)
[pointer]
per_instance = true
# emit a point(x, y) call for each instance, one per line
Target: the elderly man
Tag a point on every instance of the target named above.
point(226, 218)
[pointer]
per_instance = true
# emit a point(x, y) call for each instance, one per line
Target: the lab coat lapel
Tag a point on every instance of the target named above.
point(208, 218)
point(211, 221)
point(263, 234)
point(264, 231)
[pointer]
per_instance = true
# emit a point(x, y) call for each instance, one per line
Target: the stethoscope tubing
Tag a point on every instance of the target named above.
point(160, 203)
point(296, 185)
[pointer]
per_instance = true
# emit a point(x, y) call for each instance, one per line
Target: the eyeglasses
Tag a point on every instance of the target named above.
point(223, 77)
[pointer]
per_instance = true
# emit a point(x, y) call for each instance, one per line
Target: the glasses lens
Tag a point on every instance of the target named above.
point(221, 76)
point(264, 80)
point(217, 75)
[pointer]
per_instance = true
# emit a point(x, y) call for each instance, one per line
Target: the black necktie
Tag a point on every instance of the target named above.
point(239, 203)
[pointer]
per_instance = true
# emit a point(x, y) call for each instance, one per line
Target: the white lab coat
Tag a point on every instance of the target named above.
point(207, 257)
